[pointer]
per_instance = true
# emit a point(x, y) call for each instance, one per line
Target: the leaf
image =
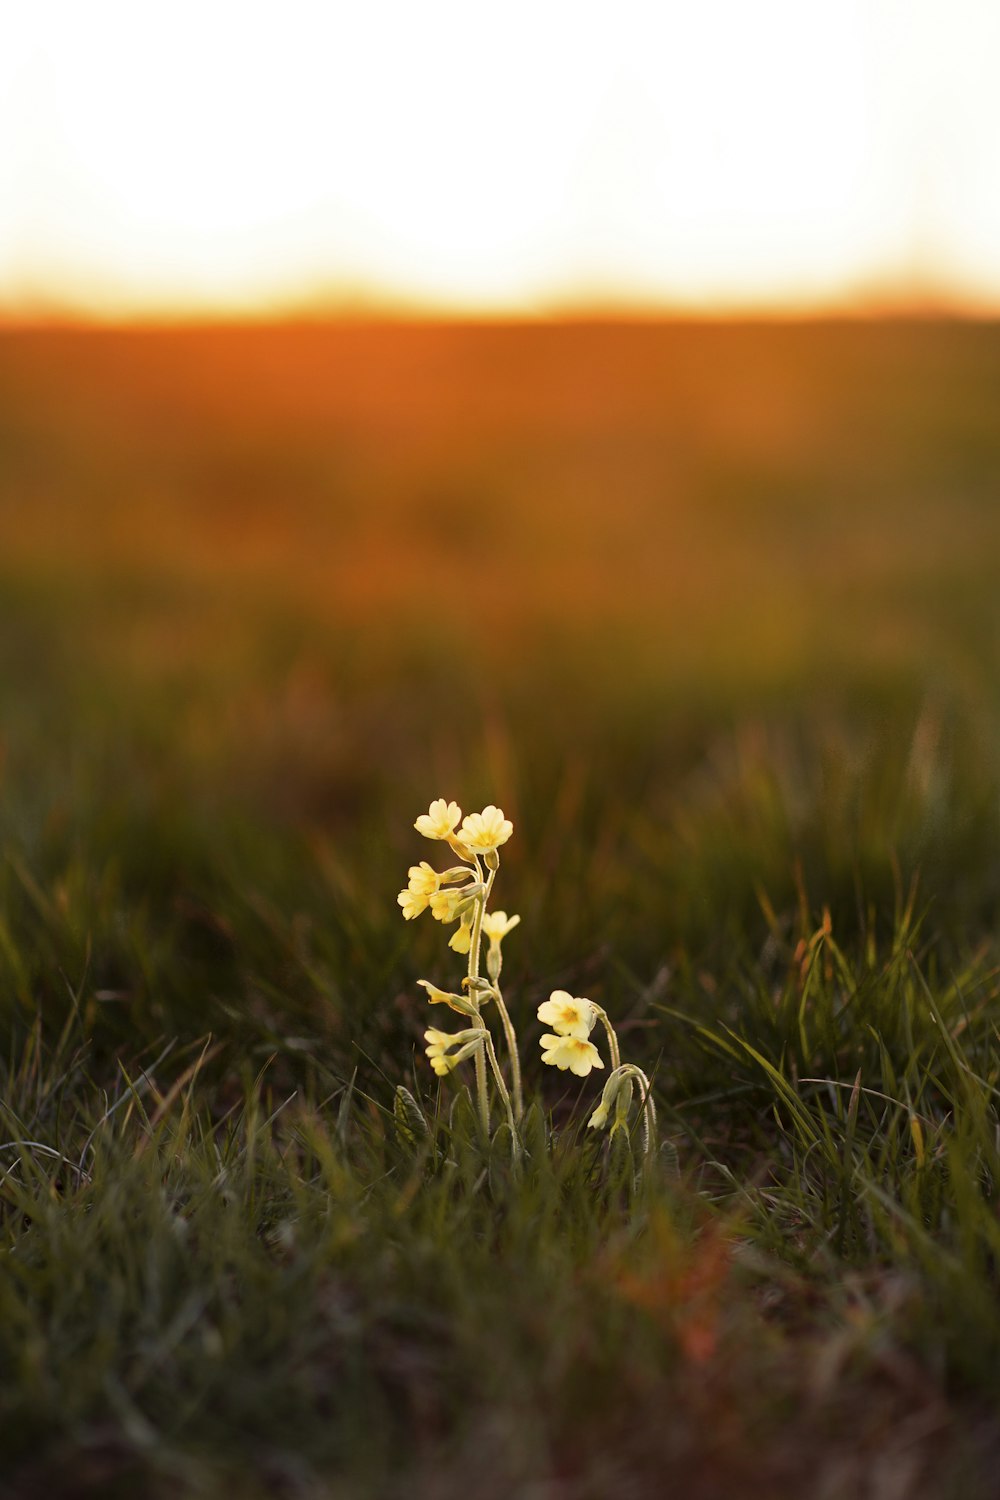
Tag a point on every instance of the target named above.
point(412, 1129)
point(534, 1131)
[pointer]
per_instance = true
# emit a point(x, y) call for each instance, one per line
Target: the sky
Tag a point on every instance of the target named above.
point(226, 156)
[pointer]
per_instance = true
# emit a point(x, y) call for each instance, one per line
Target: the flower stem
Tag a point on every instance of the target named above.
point(477, 931)
point(616, 1057)
point(504, 1095)
point(515, 1061)
point(477, 924)
point(481, 1094)
point(649, 1118)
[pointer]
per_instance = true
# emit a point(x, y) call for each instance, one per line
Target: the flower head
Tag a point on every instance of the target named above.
point(439, 1043)
point(448, 905)
point(422, 884)
point(482, 832)
point(443, 904)
point(461, 939)
point(571, 1052)
point(567, 1014)
point(497, 924)
point(412, 904)
point(612, 1089)
point(440, 819)
point(423, 880)
point(461, 1003)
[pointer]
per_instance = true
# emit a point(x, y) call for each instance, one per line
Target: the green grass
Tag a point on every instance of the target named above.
point(224, 1268)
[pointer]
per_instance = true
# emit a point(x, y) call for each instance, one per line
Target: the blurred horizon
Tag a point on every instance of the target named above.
point(52, 315)
point(204, 162)
point(77, 302)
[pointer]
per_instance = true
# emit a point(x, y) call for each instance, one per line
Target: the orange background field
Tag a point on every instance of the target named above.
point(740, 499)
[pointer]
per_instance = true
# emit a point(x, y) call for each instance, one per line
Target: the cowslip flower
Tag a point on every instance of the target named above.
point(461, 1003)
point(422, 884)
point(440, 1043)
point(424, 880)
point(567, 1014)
point(573, 1052)
point(497, 924)
point(439, 821)
point(612, 1088)
point(486, 831)
point(412, 904)
point(449, 904)
point(461, 939)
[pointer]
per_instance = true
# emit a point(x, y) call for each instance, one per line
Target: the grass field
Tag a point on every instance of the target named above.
point(713, 613)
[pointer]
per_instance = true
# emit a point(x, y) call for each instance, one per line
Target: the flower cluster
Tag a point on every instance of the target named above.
point(459, 897)
point(572, 1020)
point(439, 1044)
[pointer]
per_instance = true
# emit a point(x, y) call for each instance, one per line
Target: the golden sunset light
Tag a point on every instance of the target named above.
point(461, 157)
point(499, 749)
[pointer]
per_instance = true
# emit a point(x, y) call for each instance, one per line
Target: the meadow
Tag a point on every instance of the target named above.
point(712, 611)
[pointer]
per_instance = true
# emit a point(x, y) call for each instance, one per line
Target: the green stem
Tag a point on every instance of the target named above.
point(477, 930)
point(649, 1117)
point(481, 1094)
point(477, 924)
point(504, 1095)
point(616, 1057)
point(515, 1061)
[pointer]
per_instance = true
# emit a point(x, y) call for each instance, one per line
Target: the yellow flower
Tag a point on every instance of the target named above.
point(497, 924)
point(439, 820)
point(434, 995)
point(439, 1043)
point(571, 1052)
point(461, 1003)
point(612, 1088)
point(443, 905)
point(487, 830)
point(568, 1014)
point(422, 884)
point(449, 904)
point(412, 904)
point(423, 880)
point(461, 939)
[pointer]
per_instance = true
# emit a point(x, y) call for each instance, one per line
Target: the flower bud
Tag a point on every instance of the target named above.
point(599, 1118)
point(461, 1003)
point(461, 939)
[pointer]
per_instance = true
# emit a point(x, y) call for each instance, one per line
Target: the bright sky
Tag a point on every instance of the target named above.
point(488, 156)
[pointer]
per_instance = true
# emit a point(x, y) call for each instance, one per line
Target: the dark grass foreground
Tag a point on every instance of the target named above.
point(757, 816)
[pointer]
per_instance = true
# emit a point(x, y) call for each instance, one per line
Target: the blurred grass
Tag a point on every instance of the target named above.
point(712, 612)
